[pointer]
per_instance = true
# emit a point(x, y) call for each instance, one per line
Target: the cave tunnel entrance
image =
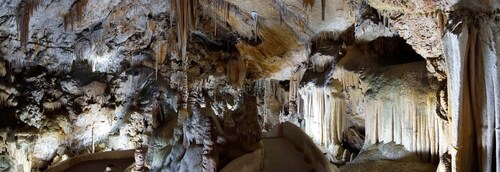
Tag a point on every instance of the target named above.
point(393, 51)
point(367, 94)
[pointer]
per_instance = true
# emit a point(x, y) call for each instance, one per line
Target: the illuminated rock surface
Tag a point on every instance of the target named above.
point(377, 85)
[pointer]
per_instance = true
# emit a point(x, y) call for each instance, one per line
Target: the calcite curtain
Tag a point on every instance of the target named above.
point(471, 47)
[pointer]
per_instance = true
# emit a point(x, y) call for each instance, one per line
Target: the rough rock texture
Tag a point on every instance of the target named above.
point(387, 157)
point(198, 85)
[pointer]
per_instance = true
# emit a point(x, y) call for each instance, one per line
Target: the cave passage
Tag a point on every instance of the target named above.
point(393, 51)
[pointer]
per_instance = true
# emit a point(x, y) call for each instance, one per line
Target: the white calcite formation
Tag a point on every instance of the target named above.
point(375, 84)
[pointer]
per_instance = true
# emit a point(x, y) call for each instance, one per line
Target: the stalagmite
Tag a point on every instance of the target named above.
point(139, 158)
point(209, 151)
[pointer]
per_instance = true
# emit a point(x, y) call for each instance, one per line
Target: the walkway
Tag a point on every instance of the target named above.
point(281, 155)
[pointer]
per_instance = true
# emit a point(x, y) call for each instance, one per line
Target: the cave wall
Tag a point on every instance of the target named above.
point(253, 64)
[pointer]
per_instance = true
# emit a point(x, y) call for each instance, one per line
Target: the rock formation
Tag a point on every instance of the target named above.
point(412, 85)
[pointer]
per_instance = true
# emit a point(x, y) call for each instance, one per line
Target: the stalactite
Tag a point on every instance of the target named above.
point(75, 15)
point(215, 24)
point(221, 7)
point(79, 50)
point(308, 4)
point(161, 54)
point(379, 16)
point(185, 14)
point(97, 42)
point(349, 79)
point(3, 99)
point(386, 21)
point(236, 72)
point(255, 17)
point(290, 12)
point(228, 8)
point(24, 13)
point(281, 9)
point(323, 5)
point(440, 16)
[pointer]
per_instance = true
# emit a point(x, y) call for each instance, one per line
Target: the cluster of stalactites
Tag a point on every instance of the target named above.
point(308, 4)
point(24, 13)
point(410, 121)
point(221, 6)
point(75, 14)
point(291, 12)
point(185, 13)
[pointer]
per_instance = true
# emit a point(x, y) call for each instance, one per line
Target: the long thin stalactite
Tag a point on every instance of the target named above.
point(24, 13)
point(75, 14)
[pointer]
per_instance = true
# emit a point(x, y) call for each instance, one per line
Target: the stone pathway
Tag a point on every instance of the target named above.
point(282, 156)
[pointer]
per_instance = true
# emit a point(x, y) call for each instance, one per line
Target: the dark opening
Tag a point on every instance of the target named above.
point(393, 51)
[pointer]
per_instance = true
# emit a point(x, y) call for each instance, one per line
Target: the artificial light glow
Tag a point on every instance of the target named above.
point(104, 62)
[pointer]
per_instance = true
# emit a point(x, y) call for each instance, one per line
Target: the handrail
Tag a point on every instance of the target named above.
point(66, 164)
